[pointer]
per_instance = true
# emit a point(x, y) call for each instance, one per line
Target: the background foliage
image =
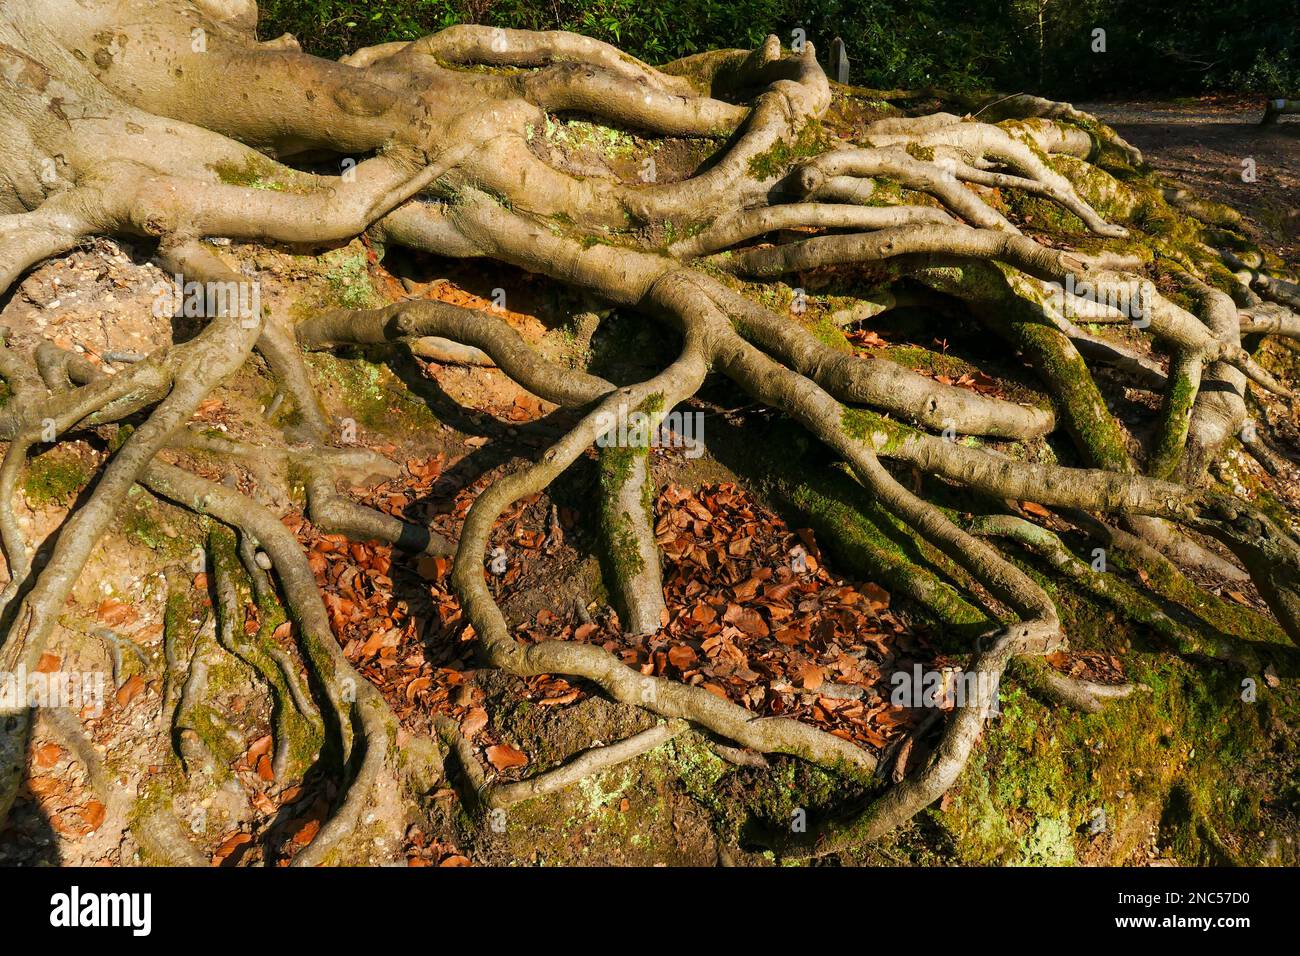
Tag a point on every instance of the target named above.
point(1044, 46)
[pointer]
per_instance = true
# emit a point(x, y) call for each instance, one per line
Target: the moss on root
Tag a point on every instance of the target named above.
point(622, 553)
point(1166, 772)
point(300, 738)
point(55, 477)
point(370, 392)
point(1005, 303)
point(255, 173)
point(811, 140)
point(1154, 770)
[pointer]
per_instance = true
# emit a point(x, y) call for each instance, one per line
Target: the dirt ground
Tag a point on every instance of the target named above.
point(1206, 142)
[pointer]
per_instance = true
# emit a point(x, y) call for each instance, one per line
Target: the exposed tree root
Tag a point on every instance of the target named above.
point(498, 796)
point(149, 137)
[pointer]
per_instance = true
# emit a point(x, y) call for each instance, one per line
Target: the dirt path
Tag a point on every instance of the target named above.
point(1205, 143)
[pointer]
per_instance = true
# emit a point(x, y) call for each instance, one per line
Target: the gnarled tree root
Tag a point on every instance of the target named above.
point(451, 170)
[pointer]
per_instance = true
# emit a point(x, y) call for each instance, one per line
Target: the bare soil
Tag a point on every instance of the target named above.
point(1209, 144)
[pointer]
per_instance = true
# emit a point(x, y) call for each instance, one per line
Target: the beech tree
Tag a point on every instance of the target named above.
point(158, 121)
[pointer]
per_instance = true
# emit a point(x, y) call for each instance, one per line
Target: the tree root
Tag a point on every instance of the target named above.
point(498, 796)
point(361, 722)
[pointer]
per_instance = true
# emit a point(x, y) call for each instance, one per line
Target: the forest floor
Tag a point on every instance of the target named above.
point(1206, 142)
point(757, 612)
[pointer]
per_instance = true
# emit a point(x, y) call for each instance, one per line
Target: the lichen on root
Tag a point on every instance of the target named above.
point(176, 125)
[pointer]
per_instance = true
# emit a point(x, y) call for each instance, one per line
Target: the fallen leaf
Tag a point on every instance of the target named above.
point(115, 613)
point(503, 756)
point(682, 657)
point(128, 691)
point(259, 748)
point(431, 568)
point(473, 722)
point(307, 833)
point(93, 813)
point(560, 699)
point(229, 846)
point(874, 593)
point(47, 756)
point(747, 619)
point(810, 677)
point(415, 686)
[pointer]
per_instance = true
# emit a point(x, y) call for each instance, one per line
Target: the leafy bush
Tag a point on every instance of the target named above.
point(1046, 46)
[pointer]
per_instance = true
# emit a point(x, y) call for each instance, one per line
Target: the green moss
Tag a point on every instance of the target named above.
point(255, 173)
point(885, 435)
point(372, 394)
point(581, 134)
point(1043, 214)
point(348, 275)
point(1052, 786)
point(155, 796)
point(810, 141)
point(1084, 411)
point(886, 192)
point(696, 765)
point(1225, 616)
point(302, 735)
point(616, 465)
point(797, 785)
point(623, 553)
point(830, 335)
point(1111, 198)
point(1049, 843)
point(172, 532)
point(745, 802)
point(604, 790)
point(55, 477)
point(1044, 777)
point(999, 295)
point(1180, 393)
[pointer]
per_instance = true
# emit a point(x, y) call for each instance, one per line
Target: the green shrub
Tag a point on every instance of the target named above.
point(1045, 46)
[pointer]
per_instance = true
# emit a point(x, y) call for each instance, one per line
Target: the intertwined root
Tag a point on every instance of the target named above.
point(164, 128)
